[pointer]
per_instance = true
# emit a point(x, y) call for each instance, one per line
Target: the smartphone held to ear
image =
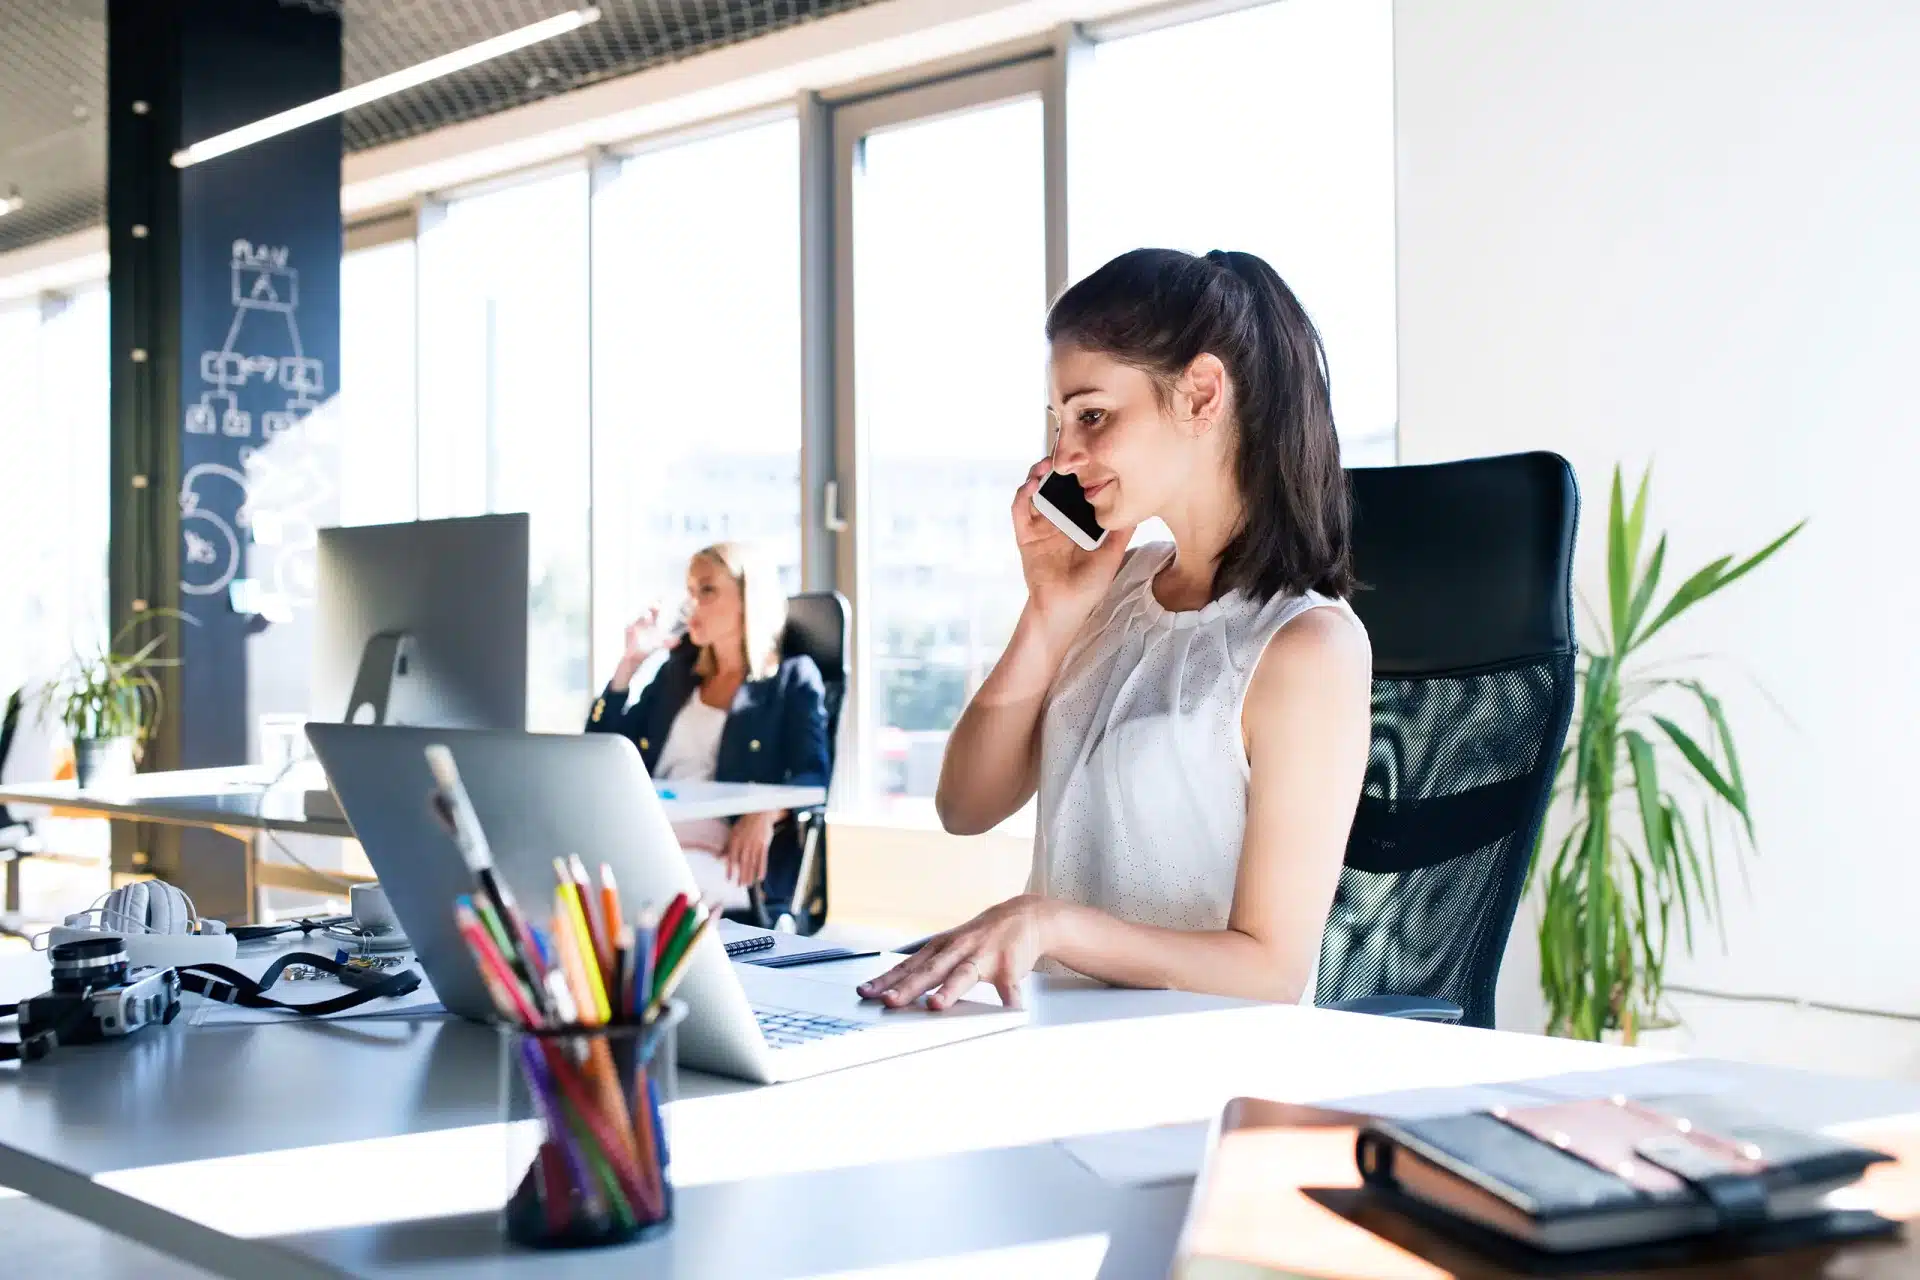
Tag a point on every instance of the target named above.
point(1060, 500)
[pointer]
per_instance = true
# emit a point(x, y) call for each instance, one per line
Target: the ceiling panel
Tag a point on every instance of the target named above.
point(53, 77)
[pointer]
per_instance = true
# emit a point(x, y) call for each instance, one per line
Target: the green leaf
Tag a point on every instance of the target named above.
point(1705, 768)
point(1759, 557)
point(1599, 910)
point(1702, 584)
point(1619, 565)
point(1646, 785)
point(1595, 723)
point(1643, 594)
point(1710, 885)
point(1711, 579)
point(1677, 821)
point(1637, 518)
point(1716, 714)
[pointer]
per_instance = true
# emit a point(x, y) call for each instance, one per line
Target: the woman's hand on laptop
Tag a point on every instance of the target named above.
point(999, 947)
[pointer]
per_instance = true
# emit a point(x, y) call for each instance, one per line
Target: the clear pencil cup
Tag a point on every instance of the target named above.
point(589, 1164)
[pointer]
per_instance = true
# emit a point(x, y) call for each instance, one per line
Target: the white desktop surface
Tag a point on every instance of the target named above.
point(375, 1148)
point(240, 798)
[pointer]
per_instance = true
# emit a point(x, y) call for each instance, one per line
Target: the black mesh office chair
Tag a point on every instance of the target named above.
point(1467, 596)
point(816, 627)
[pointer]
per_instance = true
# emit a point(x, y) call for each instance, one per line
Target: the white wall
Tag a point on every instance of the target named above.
point(1689, 230)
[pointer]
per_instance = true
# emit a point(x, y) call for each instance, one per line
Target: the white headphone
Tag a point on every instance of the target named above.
point(149, 906)
point(159, 922)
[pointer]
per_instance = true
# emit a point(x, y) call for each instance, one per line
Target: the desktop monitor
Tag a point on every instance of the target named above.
point(423, 623)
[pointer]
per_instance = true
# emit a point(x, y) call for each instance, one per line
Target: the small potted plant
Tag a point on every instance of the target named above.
point(1638, 856)
point(110, 700)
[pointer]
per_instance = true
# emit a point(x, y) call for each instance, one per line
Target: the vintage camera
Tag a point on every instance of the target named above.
point(96, 995)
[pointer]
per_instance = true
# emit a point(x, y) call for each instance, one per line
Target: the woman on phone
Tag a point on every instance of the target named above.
point(1193, 715)
point(725, 707)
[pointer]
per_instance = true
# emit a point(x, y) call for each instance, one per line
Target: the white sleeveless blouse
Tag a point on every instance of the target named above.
point(1143, 767)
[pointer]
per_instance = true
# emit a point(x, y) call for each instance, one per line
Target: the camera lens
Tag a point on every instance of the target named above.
point(89, 962)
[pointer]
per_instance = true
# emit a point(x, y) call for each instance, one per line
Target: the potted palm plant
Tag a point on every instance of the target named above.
point(109, 699)
point(1639, 856)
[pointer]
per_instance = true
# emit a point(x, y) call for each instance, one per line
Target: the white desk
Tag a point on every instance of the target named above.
point(374, 1148)
point(245, 802)
point(239, 798)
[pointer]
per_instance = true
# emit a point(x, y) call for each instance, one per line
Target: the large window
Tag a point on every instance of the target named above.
point(54, 448)
point(1268, 130)
point(379, 450)
point(504, 401)
point(949, 272)
point(696, 296)
point(615, 346)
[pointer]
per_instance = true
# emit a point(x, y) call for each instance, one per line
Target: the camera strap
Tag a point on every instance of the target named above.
point(230, 986)
point(31, 1048)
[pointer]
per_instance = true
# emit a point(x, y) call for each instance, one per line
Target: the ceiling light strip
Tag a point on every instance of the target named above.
point(383, 86)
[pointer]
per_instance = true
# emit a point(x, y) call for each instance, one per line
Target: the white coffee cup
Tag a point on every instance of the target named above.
point(371, 910)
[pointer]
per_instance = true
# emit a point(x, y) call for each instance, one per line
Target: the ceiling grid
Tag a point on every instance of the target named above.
point(53, 77)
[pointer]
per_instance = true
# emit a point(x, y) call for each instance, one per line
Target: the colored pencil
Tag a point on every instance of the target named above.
point(494, 972)
point(570, 913)
point(681, 943)
point(643, 934)
point(603, 1162)
point(546, 1097)
point(612, 1143)
point(610, 922)
point(566, 941)
point(669, 921)
point(590, 911)
point(670, 978)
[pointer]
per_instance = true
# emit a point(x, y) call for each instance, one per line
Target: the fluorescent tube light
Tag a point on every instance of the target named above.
point(373, 90)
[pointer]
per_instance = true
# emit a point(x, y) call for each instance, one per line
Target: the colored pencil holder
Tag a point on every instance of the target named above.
point(596, 1097)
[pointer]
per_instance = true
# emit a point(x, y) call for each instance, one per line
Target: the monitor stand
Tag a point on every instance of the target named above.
point(386, 667)
point(379, 688)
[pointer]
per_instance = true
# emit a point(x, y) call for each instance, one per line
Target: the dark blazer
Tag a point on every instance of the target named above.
point(776, 733)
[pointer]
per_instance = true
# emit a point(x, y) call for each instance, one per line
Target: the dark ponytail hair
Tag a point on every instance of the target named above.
point(1158, 309)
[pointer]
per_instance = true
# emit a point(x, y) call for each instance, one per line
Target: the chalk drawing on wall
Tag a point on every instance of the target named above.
point(211, 542)
point(261, 286)
point(249, 531)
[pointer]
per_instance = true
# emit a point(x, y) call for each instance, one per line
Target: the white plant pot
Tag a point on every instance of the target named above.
point(97, 761)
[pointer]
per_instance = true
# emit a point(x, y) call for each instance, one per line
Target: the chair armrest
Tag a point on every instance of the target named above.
point(1421, 1008)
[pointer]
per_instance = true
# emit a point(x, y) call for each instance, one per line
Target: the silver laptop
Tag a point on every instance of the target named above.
point(539, 796)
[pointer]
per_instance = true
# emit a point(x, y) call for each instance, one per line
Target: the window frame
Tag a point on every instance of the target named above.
point(850, 123)
point(831, 118)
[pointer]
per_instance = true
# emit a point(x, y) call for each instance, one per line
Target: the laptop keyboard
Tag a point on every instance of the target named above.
point(784, 1028)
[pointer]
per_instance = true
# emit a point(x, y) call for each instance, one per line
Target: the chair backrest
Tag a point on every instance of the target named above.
point(817, 627)
point(1466, 575)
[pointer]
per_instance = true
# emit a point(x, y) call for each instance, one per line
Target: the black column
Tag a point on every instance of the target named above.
point(225, 296)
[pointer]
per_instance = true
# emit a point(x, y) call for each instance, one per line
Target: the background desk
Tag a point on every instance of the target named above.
point(238, 802)
point(373, 1148)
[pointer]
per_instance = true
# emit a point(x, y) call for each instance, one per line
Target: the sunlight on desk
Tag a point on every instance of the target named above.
point(1069, 1259)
